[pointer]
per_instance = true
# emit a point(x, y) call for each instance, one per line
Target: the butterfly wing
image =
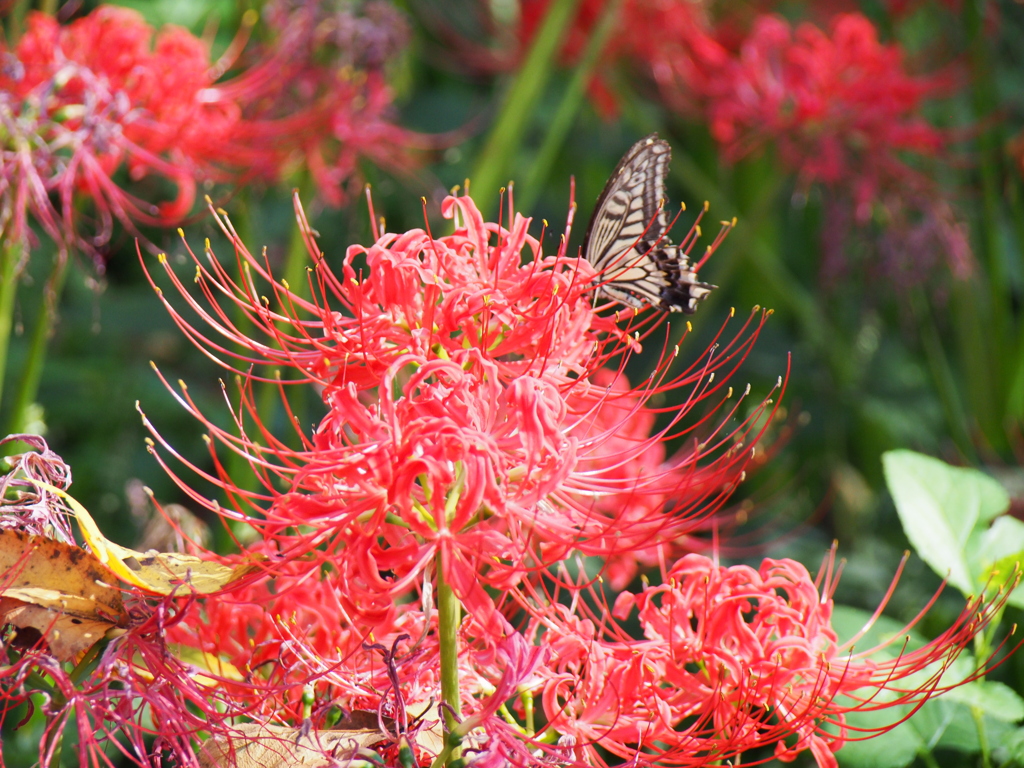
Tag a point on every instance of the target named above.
point(626, 239)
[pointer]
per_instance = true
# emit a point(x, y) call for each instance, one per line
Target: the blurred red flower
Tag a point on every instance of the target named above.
point(840, 107)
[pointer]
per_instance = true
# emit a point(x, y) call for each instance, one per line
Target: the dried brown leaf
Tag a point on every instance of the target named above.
point(58, 589)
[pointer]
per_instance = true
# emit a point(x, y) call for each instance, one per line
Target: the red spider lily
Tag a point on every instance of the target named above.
point(79, 102)
point(468, 416)
point(86, 98)
point(734, 659)
point(840, 107)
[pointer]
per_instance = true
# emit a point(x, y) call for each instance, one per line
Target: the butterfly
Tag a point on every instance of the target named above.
point(627, 241)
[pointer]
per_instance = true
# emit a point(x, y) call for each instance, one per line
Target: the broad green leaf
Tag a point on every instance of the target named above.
point(940, 507)
point(1004, 539)
point(998, 556)
point(894, 748)
point(992, 698)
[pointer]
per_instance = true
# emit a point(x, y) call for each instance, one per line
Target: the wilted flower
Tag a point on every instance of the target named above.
point(94, 659)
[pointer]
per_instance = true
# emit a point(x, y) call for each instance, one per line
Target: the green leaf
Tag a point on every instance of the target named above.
point(998, 555)
point(1013, 743)
point(940, 507)
point(893, 748)
point(1004, 539)
point(993, 699)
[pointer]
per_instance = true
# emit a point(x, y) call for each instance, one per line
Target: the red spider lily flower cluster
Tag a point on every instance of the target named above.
point(470, 412)
point(839, 106)
point(842, 111)
point(80, 102)
point(482, 440)
point(732, 658)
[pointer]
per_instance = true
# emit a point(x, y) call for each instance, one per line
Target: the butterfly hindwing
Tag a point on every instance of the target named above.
point(626, 240)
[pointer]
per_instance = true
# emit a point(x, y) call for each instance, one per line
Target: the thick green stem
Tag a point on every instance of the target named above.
point(449, 614)
point(16, 21)
point(1014, 408)
point(562, 122)
point(518, 105)
point(990, 380)
point(28, 387)
point(10, 255)
point(942, 374)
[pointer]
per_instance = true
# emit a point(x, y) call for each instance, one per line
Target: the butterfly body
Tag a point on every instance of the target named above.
point(627, 238)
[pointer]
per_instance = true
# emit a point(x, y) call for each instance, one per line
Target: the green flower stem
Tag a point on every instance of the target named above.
point(10, 255)
point(519, 105)
point(942, 373)
point(569, 106)
point(986, 102)
point(974, 344)
point(237, 466)
point(28, 387)
point(986, 750)
point(1014, 410)
point(297, 261)
point(16, 21)
point(449, 614)
point(982, 650)
point(987, 365)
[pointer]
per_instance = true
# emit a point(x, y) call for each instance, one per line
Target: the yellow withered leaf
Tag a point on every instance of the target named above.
point(158, 572)
point(274, 746)
point(165, 572)
point(58, 589)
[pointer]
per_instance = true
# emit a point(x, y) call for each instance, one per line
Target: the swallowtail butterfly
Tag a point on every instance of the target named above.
point(627, 238)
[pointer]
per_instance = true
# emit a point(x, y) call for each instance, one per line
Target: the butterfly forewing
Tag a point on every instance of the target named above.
point(626, 240)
